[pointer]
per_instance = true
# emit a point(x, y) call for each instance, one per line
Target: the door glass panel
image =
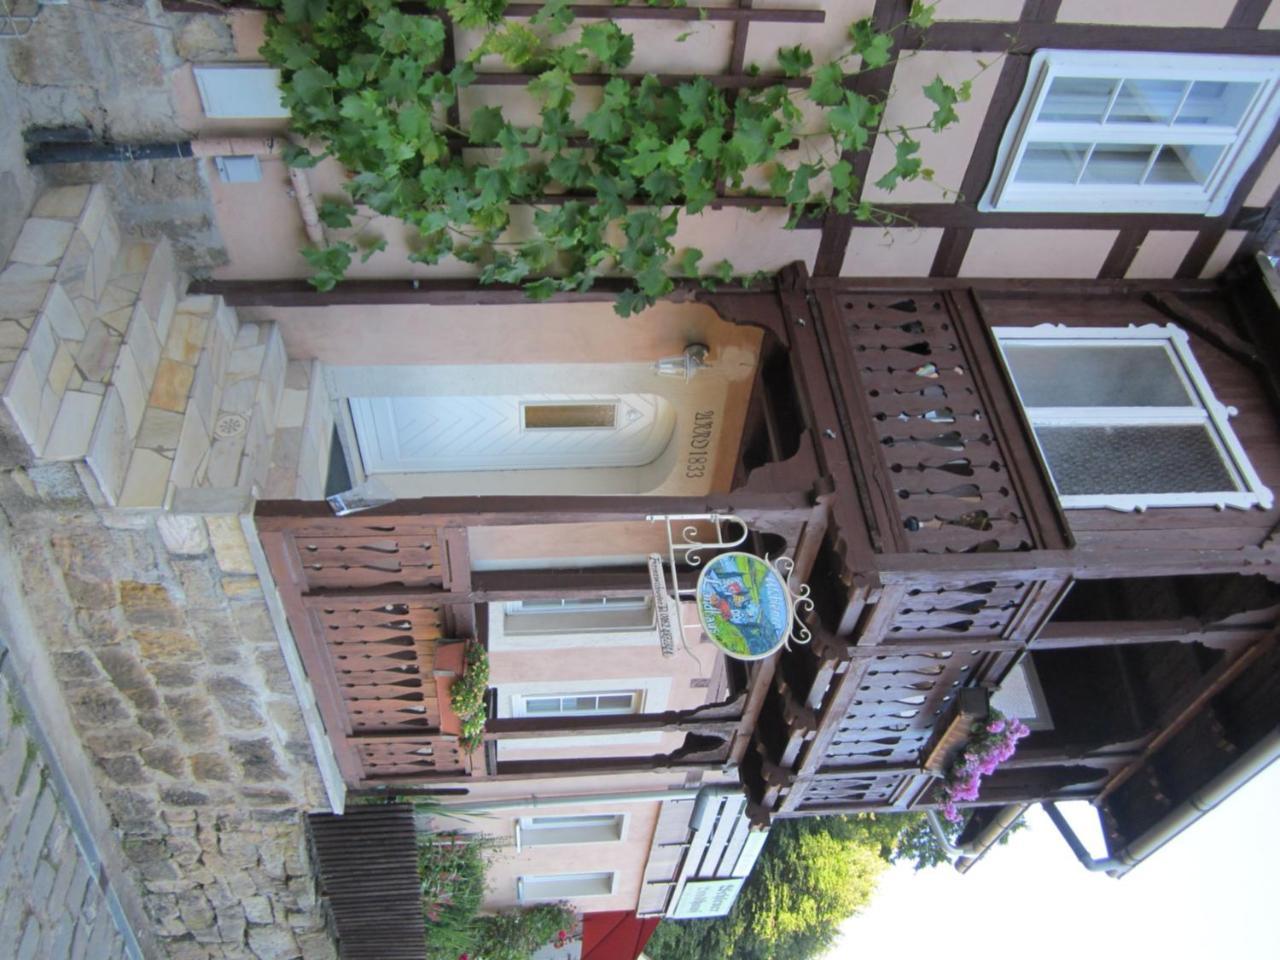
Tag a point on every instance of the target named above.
point(1077, 100)
point(1216, 103)
point(570, 416)
point(1147, 101)
point(1087, 376)
point(1052, 162)
point(1134, 460)
point(1117, 163)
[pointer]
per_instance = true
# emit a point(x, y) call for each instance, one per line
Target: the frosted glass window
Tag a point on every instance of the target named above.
point(1125, 419)
point(564, 886)
point(1134, 460)
point(578, 705)
point(1125, 132)
point(586, 828)
point(1105, 375)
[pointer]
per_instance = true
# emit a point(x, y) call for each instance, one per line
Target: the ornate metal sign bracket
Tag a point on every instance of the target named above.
point(689, 538)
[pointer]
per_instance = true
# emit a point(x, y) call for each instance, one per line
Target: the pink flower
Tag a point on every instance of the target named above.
point(995, 726)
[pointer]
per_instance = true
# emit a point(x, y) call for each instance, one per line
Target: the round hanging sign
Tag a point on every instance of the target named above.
point(744, 605)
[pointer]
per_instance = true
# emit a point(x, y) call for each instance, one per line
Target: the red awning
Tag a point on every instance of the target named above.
point(615, 935)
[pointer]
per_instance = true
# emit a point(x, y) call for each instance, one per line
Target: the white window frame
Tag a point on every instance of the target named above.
point(526, 886)
point(1241, 143)
point(239, 91)
point(520, 701)
point(591, 827)
point(1210, 412)
point(582, 615)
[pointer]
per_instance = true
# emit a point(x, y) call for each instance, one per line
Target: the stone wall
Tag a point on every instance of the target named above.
point(106, 67)
point(173, 677)
point(51, 906)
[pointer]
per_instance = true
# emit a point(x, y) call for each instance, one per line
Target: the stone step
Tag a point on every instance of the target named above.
point(173, 441)
point(50, 292)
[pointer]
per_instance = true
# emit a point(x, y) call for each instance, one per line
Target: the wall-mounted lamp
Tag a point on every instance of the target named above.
point(684, 365)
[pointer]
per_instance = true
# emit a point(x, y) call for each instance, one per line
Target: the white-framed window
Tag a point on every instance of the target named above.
point(565, 886)
point(570, 829)
point(1125, 419)
point(1133, 132)
point(586, 615)
point(240, 91)
point(584, 704)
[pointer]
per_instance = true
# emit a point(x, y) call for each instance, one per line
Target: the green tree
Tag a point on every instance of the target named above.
point(812, 875)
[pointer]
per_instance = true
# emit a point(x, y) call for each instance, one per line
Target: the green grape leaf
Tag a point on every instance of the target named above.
point(870, 44)
point(687, 265)
point(486, 124)
point(827, 88)
point(335, 214)
point(921, 15)
point(795, 61)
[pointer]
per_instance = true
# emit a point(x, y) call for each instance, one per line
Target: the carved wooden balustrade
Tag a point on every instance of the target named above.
point(375, 660)
point(943, 466)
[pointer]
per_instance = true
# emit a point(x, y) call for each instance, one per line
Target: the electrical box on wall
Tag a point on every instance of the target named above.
point(238, 169)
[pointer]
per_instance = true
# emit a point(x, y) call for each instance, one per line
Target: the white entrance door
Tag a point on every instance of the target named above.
point(515, 432)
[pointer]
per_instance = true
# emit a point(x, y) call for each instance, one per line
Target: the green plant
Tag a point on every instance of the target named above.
point(515, 934)
point(468, 694)
point(451, 868)
point(605, 194)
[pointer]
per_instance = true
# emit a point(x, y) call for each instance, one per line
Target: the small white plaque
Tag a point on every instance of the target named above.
point(707, 898)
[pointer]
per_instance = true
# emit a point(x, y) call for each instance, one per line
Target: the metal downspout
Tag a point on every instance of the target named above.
point(967, 854)
point(96, 151)
point(1244, 769)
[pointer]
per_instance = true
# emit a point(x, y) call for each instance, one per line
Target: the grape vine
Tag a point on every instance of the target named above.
point(366, 84)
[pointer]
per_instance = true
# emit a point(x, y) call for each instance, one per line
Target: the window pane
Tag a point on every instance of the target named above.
point(1183, 164)
point(1147, 101)
point(1052, 162)
point(542, 705)
point(1077, 100)
point(582, 704)
point(1117, 163)
point(616, 701)
point(1134, 460)
point(569, 416)
point(1216, 103)
point(1118, 375)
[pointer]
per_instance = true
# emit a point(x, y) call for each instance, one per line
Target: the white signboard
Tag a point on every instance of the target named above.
point(661, 609)
point(706, 898)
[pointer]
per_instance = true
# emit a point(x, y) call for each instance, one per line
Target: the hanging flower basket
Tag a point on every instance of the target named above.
point(992, 740)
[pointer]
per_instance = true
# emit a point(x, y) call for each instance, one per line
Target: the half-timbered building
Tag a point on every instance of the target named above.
point(1021, 446)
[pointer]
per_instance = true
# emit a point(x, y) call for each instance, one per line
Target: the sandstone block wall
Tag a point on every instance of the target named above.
point(173, 678)
point(51, 906)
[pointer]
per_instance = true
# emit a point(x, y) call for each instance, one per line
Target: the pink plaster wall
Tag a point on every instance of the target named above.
point(1037, 253)
point(892, 252)
point(1153, 13)
point(1161, 254)
point(1222, 253)
point(627, 857)
point(946, 153)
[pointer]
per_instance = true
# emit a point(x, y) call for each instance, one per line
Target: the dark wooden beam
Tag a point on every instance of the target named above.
point(876, 85)
point(580, 10)
point(951, 252)
point(672, 721)
point(1028, 36)
point(1040, 11)
point(1123, 251)
point(1187, 708)
point(1068, 635)
point(669, 13)
point(316, 516)
point(1247, 14)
